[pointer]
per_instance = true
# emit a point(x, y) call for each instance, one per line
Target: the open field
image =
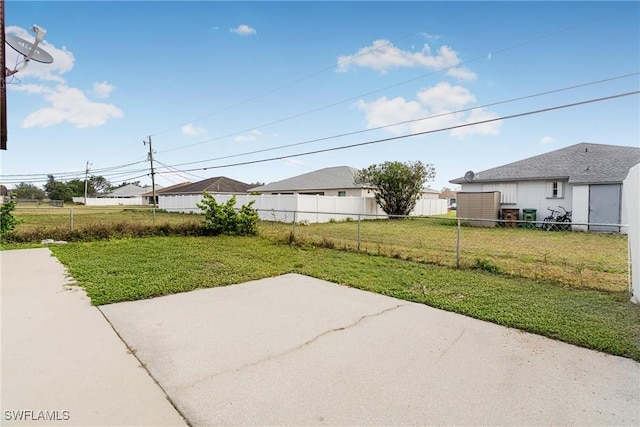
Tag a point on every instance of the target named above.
point(130, 269)
point(578, 259)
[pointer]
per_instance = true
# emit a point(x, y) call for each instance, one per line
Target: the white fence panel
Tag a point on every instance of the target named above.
point(110, 201)
point(309, 208)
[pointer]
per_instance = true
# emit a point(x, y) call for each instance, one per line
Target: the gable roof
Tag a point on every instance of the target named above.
point(218, 184)
point(338, 177)
point(129, 190)
point(161, 190)
point(582, 163)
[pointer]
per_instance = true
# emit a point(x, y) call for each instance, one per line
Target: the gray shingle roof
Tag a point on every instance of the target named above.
point(582, 163)
point(218, 184)
point(338, 177)
point(129, 190)
point(164, 190)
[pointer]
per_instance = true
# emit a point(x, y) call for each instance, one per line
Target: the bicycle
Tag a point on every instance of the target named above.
point(551, 222)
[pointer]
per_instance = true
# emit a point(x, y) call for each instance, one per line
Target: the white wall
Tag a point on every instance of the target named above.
point(528, 195)
point(310, 208)
point(110, 201)
point(580, 203)
point(631, 216)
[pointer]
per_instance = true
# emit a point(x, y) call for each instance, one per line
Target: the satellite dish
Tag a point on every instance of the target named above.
point(28, 50)
point(469, 176)
point(24, 47)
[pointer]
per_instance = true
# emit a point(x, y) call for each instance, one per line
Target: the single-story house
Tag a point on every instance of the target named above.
point(585, 178)
point(331, 181)
point(216, 185)
point(185, 197)
point(128, 191)
point(148, 196)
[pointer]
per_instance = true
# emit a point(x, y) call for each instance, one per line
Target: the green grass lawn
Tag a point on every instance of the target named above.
point(578, 259)
point(131, 269)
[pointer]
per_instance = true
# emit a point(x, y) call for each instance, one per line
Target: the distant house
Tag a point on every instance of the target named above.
point(331, 181)
point(147, 198)
point(216, 185)
point(128, 191)
point(584, 178)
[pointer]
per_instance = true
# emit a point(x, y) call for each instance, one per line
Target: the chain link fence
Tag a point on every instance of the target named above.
point(563, 253)
point(537, 250)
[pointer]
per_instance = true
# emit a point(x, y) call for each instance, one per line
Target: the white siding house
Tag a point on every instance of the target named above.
point(586, 179)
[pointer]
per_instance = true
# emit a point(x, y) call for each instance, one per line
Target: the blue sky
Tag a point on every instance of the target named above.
point(208, 80)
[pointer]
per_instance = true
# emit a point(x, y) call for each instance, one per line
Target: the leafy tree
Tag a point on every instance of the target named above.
point(222, 218)
point(57, 190)
point(397, 185)
point(27, 191)
point(101, 185)
point(76, 186)
point(127, 183)
point(7, 220)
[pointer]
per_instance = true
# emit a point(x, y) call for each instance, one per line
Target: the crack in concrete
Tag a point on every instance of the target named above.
point(284, 353)
point(450, 345)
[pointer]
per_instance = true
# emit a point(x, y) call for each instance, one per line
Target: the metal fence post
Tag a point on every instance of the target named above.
point(458, 246)
point(70, 219)
point(358, 232)
point(294, 222)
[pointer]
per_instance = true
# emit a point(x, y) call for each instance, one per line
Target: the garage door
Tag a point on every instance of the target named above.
point(604, 207)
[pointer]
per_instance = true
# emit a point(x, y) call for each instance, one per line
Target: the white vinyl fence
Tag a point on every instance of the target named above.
point(281, 207)
point(631, 195)
point(109, 201)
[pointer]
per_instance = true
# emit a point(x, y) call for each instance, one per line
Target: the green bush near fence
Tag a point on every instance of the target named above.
point(7, 221)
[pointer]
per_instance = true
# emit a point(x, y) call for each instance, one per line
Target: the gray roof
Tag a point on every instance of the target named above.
point(129, 190)
point(333, 178)
point(582, 163)
point(164, 190)
point(218, 184)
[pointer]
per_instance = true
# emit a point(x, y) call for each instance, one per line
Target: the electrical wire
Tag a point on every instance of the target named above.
point(377, 141)
point(326, 138)
point(301, 79)
point(401, 83)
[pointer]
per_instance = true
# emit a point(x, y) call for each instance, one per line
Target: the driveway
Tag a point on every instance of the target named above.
point(289, 350)
point(293, 350)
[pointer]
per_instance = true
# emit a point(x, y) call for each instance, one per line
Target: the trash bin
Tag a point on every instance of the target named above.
point(529, 215)
point(510, 217)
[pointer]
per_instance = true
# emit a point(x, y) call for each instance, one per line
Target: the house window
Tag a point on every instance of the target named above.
point(554, 190)
point(342, 194)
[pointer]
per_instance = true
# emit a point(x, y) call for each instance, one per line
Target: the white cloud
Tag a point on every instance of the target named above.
point(63, 60)
point(438, 102)
point(249, 137)
point(103, 90)
point(192, 130)
point(382, 55)
point(71, 105)
point(243, 30)
point(548, 140)
point(462, 73)
point(66, 104)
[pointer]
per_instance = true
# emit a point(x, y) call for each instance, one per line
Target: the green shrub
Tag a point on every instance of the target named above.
point(7, 220)
point(222, 218)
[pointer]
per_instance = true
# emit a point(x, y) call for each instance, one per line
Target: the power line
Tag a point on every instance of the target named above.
point(422, 76)
point(377, 141)
point(326, 138)
point(303, 78)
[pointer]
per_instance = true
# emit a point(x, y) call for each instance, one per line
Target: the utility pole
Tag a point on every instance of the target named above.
point(3, 83)
point(153, 174)
point(86, 177)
